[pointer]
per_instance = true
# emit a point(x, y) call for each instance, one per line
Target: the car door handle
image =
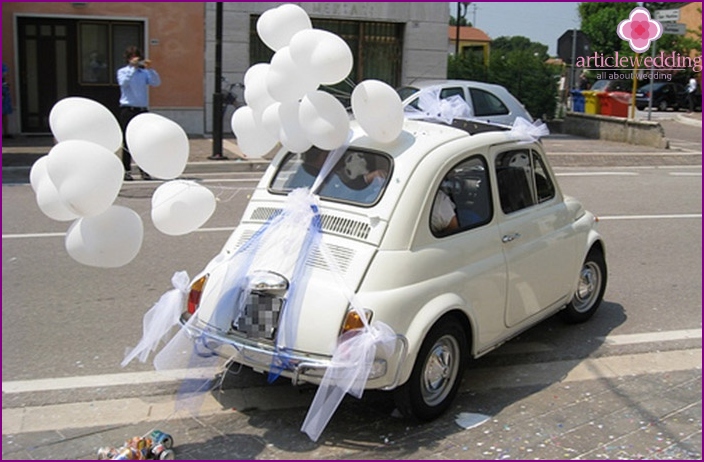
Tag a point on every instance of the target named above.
point(510, 237)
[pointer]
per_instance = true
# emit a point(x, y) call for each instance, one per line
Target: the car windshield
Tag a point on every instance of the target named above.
point(656, 87)
point(405, 92)
point(600, 84)
point(359, 177)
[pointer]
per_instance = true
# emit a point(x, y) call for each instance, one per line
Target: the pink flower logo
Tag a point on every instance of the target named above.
point(639, 29)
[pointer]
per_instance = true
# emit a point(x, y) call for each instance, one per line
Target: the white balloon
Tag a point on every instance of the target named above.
point(109, 240)
point(378, 109)
point(286, 81)
point(326, 54)
point(158, 145)
point(180, 207)
point(252, 138)
point(87, 176)
point(50, 203)
point(270, 119)
point(47, 196)
point(76, 118)
point(292, 135)
point(38, 172)
point(324, 120)
point(276, 26)
point(255, 92)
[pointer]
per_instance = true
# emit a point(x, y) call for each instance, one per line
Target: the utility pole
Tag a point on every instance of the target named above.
point(457, 33)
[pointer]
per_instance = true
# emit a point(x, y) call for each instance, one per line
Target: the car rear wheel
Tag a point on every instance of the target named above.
point(437, 372)
point(590, 289)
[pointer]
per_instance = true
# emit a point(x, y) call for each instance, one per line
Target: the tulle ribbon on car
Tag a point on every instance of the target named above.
point(159, 320)
point(431, 106)
point(529, 131)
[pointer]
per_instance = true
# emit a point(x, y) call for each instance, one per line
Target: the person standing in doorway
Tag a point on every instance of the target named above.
point(134, 80)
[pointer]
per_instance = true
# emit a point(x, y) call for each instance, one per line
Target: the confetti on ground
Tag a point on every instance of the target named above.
point(469, 420)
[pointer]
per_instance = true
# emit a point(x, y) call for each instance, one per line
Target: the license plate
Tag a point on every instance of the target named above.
point(260, 317)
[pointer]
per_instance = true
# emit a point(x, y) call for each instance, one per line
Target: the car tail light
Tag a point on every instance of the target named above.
point(195, 294)
point(354, 321)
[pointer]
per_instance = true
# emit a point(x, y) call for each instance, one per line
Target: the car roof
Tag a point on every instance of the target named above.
point(427, 83)
point(420, 137)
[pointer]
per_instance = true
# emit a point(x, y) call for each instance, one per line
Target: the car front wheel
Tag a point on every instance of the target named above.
point(437, 372)
point(590, 289)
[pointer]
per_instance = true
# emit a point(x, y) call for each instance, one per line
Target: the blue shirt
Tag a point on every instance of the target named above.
point(133, 85)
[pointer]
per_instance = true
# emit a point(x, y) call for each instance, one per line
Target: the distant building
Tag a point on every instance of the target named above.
point(471, 41)
point(59, 49)
point(691, 17)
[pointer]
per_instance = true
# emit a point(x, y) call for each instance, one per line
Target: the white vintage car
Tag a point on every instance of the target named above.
point(456, 237)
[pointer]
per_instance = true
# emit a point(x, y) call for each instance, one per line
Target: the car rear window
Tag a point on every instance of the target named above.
point(487, 104)
point(359, 177)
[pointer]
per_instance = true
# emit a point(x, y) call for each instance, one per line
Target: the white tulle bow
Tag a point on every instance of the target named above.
point(432, 107)
point(160, 318)
point(529, 131)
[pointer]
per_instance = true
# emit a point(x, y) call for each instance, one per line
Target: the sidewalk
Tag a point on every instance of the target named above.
point(21, 152)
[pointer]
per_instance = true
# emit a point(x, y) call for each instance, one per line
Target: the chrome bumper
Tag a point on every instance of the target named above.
point(299, 367)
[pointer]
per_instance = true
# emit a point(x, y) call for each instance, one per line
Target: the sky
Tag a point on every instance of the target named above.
point(542, 22)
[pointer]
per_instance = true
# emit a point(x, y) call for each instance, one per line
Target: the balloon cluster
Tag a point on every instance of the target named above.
point(81, 177)
point(284, 102)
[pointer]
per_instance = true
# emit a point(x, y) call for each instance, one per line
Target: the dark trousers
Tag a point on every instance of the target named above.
point(127, 113)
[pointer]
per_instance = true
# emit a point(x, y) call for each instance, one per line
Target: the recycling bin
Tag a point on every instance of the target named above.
point(615, 104)
point(577, 101)
point(591, 101)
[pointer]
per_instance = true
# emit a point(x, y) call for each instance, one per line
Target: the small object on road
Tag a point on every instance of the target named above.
point(156, 446)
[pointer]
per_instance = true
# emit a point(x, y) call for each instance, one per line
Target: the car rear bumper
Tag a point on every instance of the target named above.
point(300, 367)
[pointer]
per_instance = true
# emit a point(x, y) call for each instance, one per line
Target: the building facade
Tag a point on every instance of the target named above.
point(56, 50)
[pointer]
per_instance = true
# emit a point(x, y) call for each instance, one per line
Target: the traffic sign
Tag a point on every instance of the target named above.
point(667, 15)
point(674, 28)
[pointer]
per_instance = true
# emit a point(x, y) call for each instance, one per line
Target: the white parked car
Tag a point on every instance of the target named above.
point(514, 252)
point(487, 102)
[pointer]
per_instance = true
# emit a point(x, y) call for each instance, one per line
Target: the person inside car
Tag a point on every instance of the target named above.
point(443, 219)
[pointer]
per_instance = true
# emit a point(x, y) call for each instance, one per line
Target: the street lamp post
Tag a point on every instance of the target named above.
point(217, 95)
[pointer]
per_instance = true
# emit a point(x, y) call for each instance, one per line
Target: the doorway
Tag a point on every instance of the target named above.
point(61, 57)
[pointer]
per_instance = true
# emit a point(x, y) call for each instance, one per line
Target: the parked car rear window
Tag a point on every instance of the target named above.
point(359, 177)
point(486, 104)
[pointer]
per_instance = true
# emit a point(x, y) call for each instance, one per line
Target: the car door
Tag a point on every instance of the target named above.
point(461, 254)
point(534, 229)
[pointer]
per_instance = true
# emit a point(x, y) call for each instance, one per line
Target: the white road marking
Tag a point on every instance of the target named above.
point(597, 174)
point(652, 337)
point(130, 411)
point(650, 217)
point(685, 173)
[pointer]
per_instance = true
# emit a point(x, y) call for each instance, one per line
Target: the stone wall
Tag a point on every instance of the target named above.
point(620, 129)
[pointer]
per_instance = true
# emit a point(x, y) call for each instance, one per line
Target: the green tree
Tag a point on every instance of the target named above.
point(599, 21)
point(517, 64)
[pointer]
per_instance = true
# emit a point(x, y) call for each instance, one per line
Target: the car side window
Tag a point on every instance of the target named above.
point(486, 104)
point(454, 91)
point(522, 179)
point(463, 200)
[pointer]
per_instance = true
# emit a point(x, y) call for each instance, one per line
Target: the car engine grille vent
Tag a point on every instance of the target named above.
point(330, 223)
point(342, 256)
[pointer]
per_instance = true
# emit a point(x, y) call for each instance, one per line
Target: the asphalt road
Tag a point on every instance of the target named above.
point(625, 385)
